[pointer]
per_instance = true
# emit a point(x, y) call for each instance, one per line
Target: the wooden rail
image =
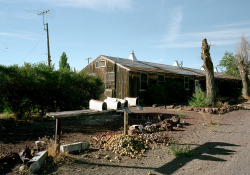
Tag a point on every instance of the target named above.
point(78, 113)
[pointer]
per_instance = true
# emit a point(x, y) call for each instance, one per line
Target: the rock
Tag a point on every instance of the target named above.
point(189, 109)
point(25, 155)
point(148, 128)
point(154, 105)
point(179, 125)
point(216, 110)
point(196, 109)
point(223, 110)
point(175, 120)
point(155, 127)
point(40, 143)
point(161, 117)
point(21, 168)
point(202, 109)
point(208, 110)
point(167, 126)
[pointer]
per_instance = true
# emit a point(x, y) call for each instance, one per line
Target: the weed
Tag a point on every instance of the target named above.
point(7, 111)
point(181, 151)
point(180, 115)
point(210, 121)
point(215, 129)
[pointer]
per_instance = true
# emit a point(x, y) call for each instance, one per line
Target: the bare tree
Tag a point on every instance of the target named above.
point(209, 67)
point(242, 62)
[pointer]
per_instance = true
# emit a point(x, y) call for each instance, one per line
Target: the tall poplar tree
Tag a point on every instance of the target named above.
point(63, 62)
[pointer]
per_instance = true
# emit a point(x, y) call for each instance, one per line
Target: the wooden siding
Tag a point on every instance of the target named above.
point(101, 72)
point(122, 82)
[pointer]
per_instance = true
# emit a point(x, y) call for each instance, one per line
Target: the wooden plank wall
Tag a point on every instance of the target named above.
point(122, 82)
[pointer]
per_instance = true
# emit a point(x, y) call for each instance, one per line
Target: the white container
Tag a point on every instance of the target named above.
point(97, 105)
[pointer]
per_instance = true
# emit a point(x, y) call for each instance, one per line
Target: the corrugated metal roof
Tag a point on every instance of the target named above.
point(163, 68)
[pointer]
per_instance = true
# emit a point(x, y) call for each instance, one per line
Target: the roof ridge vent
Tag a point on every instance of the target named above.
point(132, 56)
point(216, 70)
point(202, 68)
point(176, 64)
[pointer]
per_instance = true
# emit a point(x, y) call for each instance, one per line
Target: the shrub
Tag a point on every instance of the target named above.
point(39, 87)
point(198, 99)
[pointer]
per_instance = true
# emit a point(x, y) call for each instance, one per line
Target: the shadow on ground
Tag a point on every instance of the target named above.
point(211, 149)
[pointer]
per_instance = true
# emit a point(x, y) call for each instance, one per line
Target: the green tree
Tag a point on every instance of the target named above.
point(228, 66)
point(63, 62)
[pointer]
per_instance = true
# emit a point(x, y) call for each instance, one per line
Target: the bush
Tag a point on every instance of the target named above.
point(39, 87)
point(198, 99)
point(168, 93)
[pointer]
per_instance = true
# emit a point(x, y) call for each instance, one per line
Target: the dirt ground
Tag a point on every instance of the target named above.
point(214, 140)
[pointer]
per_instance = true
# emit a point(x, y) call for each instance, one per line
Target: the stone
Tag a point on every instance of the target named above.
point(25, 155)
point(154, 105)
point(40, 143)
point(179, 125)
point(161, 117)
point(175, 120)
point(216, 110)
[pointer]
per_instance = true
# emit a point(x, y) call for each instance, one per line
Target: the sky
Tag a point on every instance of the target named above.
point(159, 31)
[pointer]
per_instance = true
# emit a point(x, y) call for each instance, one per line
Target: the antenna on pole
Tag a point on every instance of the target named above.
point(46, 27)
point(88, 59)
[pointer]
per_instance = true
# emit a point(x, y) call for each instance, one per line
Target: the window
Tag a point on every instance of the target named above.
point(186, 82)
point(144, 81)
point(100, 64)
point(110, 80)
point(161, 79)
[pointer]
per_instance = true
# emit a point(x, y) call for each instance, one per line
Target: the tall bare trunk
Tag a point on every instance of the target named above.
point(244, 78)
point(209, 67)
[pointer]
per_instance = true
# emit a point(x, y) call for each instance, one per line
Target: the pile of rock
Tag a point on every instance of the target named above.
point(163, 125)
point(215, 110)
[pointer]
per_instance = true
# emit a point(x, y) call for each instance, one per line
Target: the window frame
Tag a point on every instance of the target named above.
point(100, 61)
point(143, 81)
point(106, 82)
point(158, 82)
point(186, 82)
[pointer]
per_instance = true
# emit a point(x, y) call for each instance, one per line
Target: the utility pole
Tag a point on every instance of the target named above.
point(88, 59)
point(47, 30)
point(46, 27)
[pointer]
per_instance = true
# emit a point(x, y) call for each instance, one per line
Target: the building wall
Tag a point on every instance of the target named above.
point(101, 72)
point(121, 82)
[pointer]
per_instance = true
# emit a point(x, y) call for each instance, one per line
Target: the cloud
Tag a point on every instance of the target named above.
point(206, 3)
point(219, 37)
point(175, 25)
point(100, 5)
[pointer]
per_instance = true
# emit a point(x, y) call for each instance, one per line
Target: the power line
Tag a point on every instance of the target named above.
point(33, 48)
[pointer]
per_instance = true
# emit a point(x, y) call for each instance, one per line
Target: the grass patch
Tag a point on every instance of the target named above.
point(181, 150)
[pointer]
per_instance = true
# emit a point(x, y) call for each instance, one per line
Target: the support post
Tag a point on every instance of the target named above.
point(58, 134)
point(125, 122)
